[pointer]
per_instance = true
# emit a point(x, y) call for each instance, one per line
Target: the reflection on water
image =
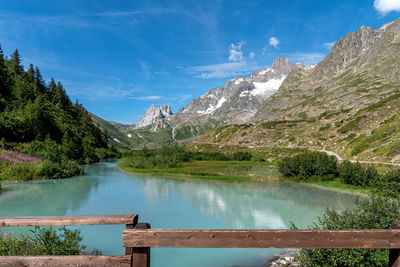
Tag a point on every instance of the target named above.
point(172, 203)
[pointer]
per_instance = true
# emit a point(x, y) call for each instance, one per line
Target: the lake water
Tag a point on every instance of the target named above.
point(171, 203)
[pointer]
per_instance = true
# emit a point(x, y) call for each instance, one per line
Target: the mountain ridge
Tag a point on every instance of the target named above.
point(348, 103)
point(235, 102)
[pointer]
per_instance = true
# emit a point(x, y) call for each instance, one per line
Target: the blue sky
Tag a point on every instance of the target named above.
point(119, 57)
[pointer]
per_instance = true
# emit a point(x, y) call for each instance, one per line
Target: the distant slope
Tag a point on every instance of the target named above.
point(114, 135)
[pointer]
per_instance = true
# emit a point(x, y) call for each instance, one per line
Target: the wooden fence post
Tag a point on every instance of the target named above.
point(394, 254)
point(128, 251)
point(141, 255)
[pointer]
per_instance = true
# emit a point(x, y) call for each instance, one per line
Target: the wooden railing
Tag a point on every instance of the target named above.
point(85, 260)
point(137, 239)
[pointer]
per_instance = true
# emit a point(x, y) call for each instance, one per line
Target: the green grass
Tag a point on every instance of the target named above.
point(380, 103)
point(239, 172)
point(340, 186)
point(232, 171)
point(351, 125)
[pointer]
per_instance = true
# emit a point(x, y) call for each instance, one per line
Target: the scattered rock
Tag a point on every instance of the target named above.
point(283, 260)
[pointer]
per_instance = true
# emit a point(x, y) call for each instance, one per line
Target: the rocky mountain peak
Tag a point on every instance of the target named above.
point(240, 97)
point(155, 114)
point(281, 63)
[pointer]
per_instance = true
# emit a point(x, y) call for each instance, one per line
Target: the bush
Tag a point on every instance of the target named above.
point(388, 184)
point(308, 164)
point(21, 171)
point(63, 169)
point(372, 213)
point(167, 157)
point(355, 174)
point(241, 156)
point(44, 241)
point(208, 156)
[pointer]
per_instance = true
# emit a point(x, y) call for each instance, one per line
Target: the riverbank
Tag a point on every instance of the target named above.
point(239, 172)
point(224, 171)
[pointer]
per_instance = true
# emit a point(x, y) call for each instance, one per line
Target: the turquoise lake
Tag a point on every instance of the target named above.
point(171, 203)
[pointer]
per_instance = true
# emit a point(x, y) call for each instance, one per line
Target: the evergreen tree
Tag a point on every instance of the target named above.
point(4, 83)
point(31, 73)
point(60, 97)
point(16, 62)
point(52, 87)
point(40, 87)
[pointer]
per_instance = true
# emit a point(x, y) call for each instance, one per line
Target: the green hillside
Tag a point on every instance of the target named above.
point(38, 119)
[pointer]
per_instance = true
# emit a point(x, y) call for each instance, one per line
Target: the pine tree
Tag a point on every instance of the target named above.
point(60, 97)
point(16, 62)
point(31, 73)
point(4, 81)
point(40, 87)
point(52, 87)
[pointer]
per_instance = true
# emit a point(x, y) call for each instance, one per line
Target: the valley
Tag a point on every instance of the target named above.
point(348, 104)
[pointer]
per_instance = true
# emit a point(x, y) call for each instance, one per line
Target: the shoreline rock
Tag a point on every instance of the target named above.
point(286, 259)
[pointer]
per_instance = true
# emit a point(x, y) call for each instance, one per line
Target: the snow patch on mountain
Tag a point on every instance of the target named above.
point(271, 85)
point(212, 108)
point(238, 81)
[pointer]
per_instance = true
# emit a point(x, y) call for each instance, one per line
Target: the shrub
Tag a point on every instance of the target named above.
point(66, 168)
point(21, 171)
point(355, 174)
point(388, 184)
point(241, 156)
point(372, 213)
point(308, 164)
point(167, 157)
point(44, 241)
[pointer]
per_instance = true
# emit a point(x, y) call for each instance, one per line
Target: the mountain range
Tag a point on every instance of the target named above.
point(237, 101)
point(348, 103)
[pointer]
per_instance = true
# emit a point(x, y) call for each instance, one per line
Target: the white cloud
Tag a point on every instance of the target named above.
point(252, 55)
point(328, 45)
point(150, 97)
point(222, 70)
point(273, 41)
point(235, 52)
point(385, 6)
point(162, 72)
point(306, 58)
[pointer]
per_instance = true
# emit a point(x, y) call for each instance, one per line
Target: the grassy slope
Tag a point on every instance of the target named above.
point(113, 132)
point(371, 133)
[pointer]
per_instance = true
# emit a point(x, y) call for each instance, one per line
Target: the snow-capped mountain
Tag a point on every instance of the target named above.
point(239, 98)
point(235, 102)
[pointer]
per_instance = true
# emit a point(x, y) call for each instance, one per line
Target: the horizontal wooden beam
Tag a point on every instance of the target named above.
point(66, 261)
point(262, 238)
point(68, 220)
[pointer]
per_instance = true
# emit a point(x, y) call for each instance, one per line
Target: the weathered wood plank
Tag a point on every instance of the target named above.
point(394, 254)
point(262, 238)
point(81, 261)
point(128, 251)
point(67, 220)
point(141, 255)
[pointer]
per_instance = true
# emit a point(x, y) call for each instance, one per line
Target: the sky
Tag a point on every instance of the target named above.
point(119, 57)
